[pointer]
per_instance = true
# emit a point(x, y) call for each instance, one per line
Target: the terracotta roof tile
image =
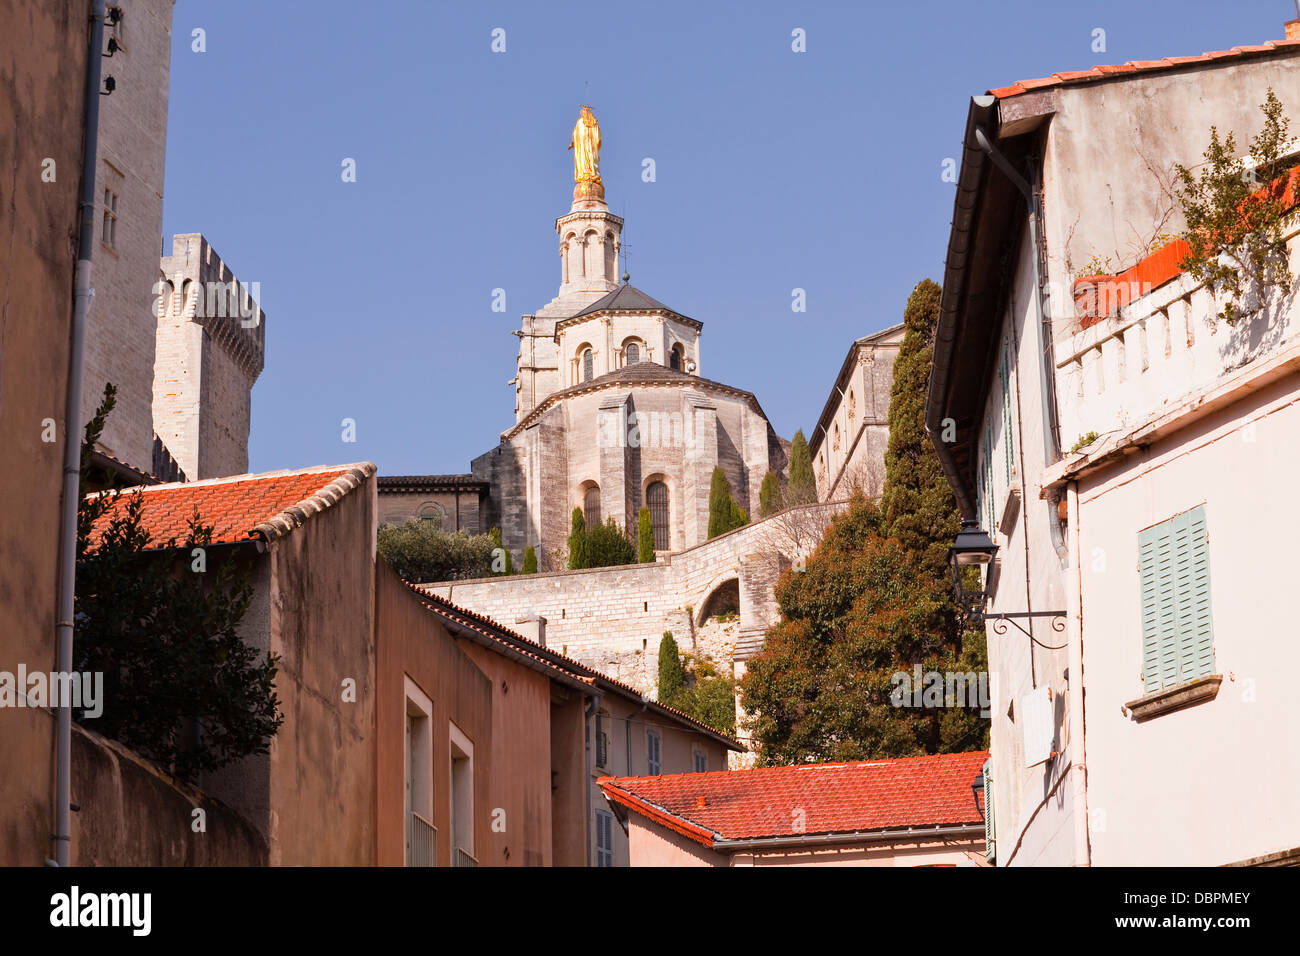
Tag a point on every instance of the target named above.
point(1073, 77)
point(865, 796)
point(239, 508)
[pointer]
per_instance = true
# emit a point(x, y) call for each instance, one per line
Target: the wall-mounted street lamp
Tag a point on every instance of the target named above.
point(974, 548)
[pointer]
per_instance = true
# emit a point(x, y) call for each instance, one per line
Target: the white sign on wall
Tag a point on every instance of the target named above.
point(1038, 724)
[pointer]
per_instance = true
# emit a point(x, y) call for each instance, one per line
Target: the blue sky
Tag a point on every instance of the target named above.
point(775, 170)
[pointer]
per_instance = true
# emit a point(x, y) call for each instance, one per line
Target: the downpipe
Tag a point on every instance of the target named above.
point(72, 426)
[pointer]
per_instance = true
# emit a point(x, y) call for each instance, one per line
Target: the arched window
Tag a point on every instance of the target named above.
point(633, 353)
point(591, 505)
point(675, 358)
point(656, 499)
point(431, 512)
point(835, 440)
point(588, 365)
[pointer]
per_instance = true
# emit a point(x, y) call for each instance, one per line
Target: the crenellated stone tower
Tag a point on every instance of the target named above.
point(210, 350)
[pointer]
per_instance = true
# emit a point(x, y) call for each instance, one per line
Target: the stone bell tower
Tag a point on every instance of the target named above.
point(589, 259)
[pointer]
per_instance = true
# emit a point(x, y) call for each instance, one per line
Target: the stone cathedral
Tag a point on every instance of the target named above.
point(612, 409)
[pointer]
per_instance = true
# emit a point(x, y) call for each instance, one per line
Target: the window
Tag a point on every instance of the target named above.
point(675, 358)
point(990, 840)
point(588, 367)
point(656, 499)
point(652, 753)
point(431, 513)
point(462, 799)
point(633, 354)
point(701, 762)
point(602, 740)
point(109, 236)
point(853, 407)
point(1007, 439)
point(835, 438)
point(604, 838)
point(591, 505)
point(421, 837)
point(1174, 572)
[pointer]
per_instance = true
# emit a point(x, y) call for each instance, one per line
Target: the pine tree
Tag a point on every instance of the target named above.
point(769, 495)
point(645, 538)
point(670, 670)
point(724, 514)
point(578, 541)
point(802, 489)
point(530, 560)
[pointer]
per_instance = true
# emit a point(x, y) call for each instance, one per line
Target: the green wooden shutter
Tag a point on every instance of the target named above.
point(1177, 633)
point(1008, 441)
point(1192, 567)
point(990, 844)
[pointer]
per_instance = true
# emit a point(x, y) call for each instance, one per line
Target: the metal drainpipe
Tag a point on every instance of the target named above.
point(72, 443)
point(1078, 739)
point(593, 705)
point(1047, 370)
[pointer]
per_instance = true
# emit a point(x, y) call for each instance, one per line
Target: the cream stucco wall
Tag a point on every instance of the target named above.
point(1219, 781)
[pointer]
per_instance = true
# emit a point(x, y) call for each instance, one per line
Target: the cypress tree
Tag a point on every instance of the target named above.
point(874, 601)
point(645, 537)
point(769, 495)
point(803, 486)
point(917, 505)
point(724, 514)
point(530, 560)
point(670, 670)
point(578, 541)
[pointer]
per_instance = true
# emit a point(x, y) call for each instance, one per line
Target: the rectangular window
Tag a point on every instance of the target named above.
point(421, 837)
point(990, 505)
point(604, 838)
point(462, 799)
point(109, 236)
point(990, 839)
point(1008, 442)
point(1174, 571)
point(653, 762)
point(602, 740)
point(701, 762)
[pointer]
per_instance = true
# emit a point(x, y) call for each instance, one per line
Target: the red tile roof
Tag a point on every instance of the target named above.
point(239, 508)
point(871, 795)
point(1140, 66)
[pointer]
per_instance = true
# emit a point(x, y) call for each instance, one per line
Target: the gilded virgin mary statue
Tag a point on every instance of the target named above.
point(586, 155)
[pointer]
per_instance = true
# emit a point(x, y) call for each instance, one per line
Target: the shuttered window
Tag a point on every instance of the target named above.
point(604, 838)
point(653, 763)
point(1174, 569)
point(990, 842)
point(1008, 441)
point(990, 506)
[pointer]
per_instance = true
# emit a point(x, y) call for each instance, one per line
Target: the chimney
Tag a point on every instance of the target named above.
point(1293, 26)
point(533, 627)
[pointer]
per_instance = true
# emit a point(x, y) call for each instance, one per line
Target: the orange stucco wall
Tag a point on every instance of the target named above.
point(43, 47)
point(410, 642)
point(519, 788)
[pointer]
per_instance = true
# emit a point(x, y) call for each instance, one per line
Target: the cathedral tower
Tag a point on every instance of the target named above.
point(589, 245)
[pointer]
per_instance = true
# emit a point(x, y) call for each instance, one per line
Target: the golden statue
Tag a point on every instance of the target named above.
point(586, 156)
